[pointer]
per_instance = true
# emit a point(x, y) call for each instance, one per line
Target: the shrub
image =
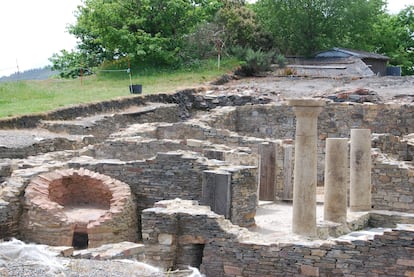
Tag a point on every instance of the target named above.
point(253, 62)
point(281, 61)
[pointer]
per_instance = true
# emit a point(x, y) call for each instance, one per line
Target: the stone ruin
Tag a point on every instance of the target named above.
point(213, 180)
point(79, 208)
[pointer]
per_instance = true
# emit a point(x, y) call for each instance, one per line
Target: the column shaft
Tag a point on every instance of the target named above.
point(305, 171)
point(336, 173)
point(360, 175)
point(267, 171)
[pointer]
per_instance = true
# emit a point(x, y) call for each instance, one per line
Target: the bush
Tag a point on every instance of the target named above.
point(281, 61)
point(253, 62)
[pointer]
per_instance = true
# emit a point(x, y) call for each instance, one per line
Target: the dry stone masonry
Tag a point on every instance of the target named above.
point(235, 183)
point(78, 208)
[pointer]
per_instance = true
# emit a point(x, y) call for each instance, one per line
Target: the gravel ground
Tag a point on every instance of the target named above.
point(78, 268)
point(87, 268)
point(27, 137)
point(391, 89)
point(20, 259)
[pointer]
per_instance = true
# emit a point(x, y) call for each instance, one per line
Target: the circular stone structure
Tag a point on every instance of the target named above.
point(78, 208)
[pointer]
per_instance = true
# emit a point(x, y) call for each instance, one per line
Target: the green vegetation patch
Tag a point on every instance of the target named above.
point(26, 97)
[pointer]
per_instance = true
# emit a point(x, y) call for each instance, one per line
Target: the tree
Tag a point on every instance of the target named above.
point(302, 27)
point(394, 37)
point(71, 64)
point(146, 30)
point(241, 27)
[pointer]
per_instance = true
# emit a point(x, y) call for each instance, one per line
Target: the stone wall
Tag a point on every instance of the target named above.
point(194, 129)
point(60, 203)
point(178, 175)
point(336, 120)
point(43, 146)
point(178, 230)
point(243, 195)
point(228, 250)
point(393, 184)
point(138, 148)
point(396, 147)
point(390, 254)
point(188, 101)
point(102, 125)
point(11, 194)
point(165, 176)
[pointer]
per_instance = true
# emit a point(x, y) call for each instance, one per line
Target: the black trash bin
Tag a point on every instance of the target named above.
point(135, 89)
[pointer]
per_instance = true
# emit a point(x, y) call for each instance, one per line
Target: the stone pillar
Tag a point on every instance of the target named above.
point(305, 171)
point(336, 173)
point(267, 171)
point(216, 192)
point(360, 181)
point(287, 192)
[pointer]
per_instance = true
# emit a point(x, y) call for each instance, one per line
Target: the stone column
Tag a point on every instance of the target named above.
point(305, 171)
point(267, 171)
point(360, 181)
point(336, 173)
point(216, 192)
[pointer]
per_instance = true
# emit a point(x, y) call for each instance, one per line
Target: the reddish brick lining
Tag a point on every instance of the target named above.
point(80, 190)
point(48, 194)
point(72, 187)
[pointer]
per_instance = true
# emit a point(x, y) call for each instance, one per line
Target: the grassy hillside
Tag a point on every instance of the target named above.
point(31, 74)
point(25, 97)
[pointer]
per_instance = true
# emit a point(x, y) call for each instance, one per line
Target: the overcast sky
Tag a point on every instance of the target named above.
point(32, 30)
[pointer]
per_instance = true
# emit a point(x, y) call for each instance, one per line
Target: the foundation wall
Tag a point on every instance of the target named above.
point(231, 251)
point(395, 147)
point(145, 148)
point(175, 175)
point(166, 176)
point(11, 193)
point(101, 126)
point(188, 101)
point(336, 120)
point(44, 146)
point(390, 254)
point(393, 185)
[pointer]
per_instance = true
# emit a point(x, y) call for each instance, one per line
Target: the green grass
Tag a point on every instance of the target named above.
point(27, 97)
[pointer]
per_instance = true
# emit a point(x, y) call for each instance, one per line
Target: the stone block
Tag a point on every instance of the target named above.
point(405, 262)
point(409, 274)
point(232, 270)
point(318, 252)
point(165, 239)
point(64, 251)
point(308, 270)
point(189, 239)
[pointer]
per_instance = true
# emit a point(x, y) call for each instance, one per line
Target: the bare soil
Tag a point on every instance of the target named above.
point(390, 89)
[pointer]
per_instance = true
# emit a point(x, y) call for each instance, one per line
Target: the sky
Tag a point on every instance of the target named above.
point(32, 31)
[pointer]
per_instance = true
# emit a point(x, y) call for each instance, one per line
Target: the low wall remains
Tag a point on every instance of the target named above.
point(336, 120)
point(179, 175)
point(392, 184)
point(63, 205)
point(229, 250)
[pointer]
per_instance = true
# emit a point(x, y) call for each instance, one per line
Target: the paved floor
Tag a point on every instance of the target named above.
point(274, 221)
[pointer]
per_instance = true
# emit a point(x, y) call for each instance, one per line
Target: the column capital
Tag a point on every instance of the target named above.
point(306, 102)
point(307, 107)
